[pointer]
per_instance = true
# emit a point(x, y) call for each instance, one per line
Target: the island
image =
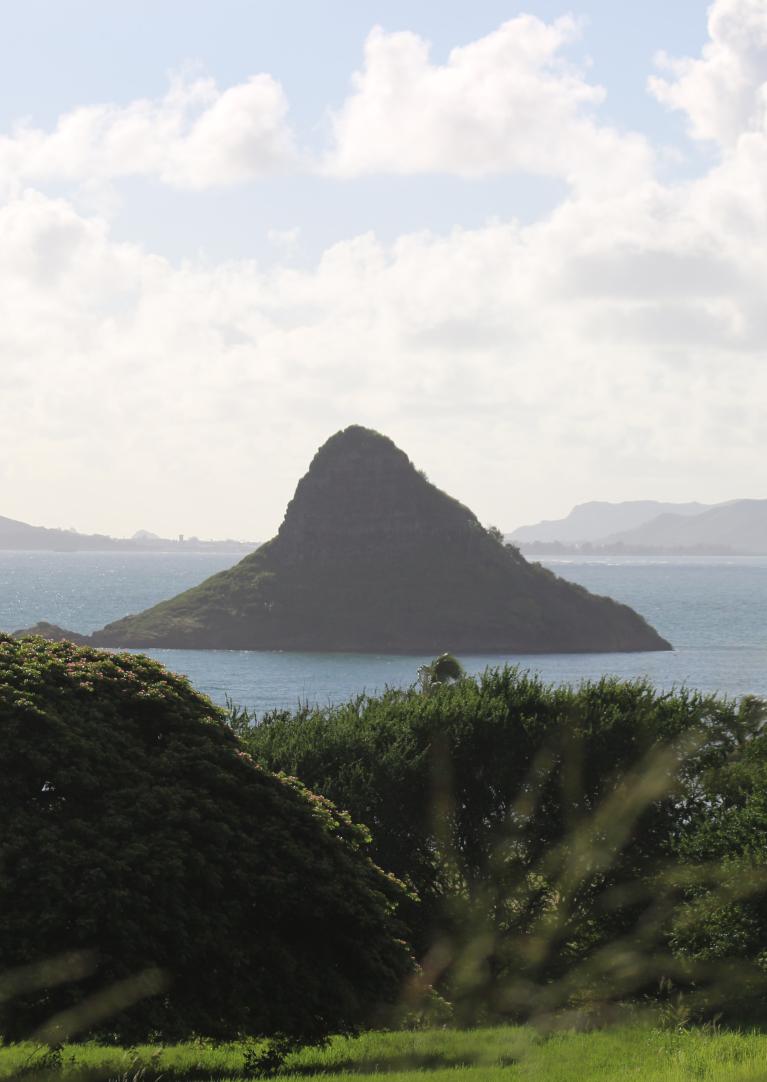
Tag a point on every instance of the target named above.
point(371, 557)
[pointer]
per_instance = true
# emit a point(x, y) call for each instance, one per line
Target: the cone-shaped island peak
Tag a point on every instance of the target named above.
point(372, 557)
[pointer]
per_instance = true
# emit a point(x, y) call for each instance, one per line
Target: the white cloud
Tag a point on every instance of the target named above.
point(195, 137)
point(724, 92)
point(285, 242)
point(508, 102)
point(616, 347)
point(621, 338)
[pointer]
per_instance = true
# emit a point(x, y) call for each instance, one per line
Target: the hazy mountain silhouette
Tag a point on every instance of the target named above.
point(372, 557)
point(597, 520)
point(21, 537)
point(740, 525)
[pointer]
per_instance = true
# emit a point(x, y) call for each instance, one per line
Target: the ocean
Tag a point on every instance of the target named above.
point(712, 609)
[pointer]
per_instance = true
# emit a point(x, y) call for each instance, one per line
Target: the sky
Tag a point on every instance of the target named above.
point(526, 241)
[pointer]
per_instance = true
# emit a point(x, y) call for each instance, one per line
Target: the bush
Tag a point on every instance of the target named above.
point(133, 826)
point(723, 850)
point(538, 824)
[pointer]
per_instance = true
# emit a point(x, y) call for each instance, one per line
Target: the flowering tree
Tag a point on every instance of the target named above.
point(133, 827)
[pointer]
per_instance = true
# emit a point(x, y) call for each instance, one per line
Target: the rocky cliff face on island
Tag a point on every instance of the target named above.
point(372, 557)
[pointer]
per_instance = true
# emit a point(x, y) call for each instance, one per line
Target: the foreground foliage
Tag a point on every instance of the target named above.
point(566, 843)
point(490, 1054)
point(207, 895)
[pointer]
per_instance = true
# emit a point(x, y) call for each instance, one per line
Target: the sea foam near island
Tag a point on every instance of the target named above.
point(712, 609)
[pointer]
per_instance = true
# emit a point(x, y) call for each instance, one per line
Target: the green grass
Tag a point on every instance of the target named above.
point(516, 1054)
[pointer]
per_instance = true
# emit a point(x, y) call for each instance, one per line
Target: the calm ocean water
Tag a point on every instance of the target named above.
point(713, 610)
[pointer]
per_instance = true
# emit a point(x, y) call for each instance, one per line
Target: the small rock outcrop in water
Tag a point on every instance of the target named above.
point(51, 632)
point(372, 557)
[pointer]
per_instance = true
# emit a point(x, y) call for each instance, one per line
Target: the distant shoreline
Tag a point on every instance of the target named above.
point(209, 548)
point(559, 548)
point(243, 548)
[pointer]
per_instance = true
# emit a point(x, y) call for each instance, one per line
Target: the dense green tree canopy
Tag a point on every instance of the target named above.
point(133, 825)
point(538, 820)
point(724, 916)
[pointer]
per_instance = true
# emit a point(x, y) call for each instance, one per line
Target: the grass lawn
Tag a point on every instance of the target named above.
point(507, 1052)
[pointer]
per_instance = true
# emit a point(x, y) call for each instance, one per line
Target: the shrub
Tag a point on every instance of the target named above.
point(723, 850)
point(537, 823)
point(133, 826)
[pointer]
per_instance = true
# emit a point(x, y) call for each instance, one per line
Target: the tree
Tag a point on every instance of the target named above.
point(535, 821)
point(722, 917)
point(134, 826)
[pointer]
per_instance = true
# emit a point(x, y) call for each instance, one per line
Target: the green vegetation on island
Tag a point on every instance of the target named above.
point(372, 557)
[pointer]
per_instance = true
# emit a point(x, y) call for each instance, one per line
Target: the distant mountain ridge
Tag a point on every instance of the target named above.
point(21, 537)
point(13, 526)
point(598, 519)
point(736, 527)
point(740, 525)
